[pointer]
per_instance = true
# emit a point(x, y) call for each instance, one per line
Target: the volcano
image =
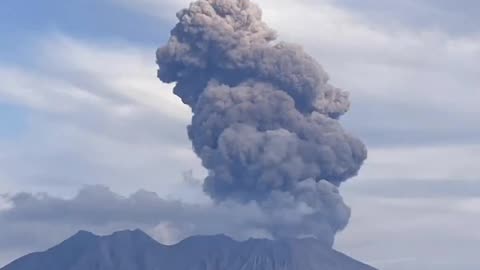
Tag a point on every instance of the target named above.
point(135, 250)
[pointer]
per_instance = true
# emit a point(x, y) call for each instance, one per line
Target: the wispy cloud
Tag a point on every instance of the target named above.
point(99, 111)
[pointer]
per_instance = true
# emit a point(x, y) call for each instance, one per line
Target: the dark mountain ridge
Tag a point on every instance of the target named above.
point(135, 250)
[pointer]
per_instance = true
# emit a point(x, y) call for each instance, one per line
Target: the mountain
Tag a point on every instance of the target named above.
point(135, 250)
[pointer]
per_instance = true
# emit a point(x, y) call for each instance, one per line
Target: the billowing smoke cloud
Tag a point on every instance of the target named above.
point(265, 121)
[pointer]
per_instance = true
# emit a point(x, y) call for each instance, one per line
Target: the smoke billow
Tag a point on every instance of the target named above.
point(265, 119)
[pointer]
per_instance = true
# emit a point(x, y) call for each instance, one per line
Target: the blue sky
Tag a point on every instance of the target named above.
point(80, 105)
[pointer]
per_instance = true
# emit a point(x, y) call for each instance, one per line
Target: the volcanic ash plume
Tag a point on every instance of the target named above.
point(265, 121)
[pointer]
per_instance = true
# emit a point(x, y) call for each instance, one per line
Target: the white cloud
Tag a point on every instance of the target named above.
point(37, 92)
point(75, 73)
point(163, 9)
point(470, 206)
point(169, 233)
point(5, 203)
point(459, 162)
point(123, 70)
point(429, 232)
point(99, 111)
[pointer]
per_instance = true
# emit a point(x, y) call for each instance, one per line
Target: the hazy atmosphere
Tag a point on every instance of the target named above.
point(91, 139)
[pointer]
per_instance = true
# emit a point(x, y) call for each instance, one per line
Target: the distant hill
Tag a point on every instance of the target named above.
point(135, 250)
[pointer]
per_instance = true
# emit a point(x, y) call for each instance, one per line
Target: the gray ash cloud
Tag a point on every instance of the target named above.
point(265, 118)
